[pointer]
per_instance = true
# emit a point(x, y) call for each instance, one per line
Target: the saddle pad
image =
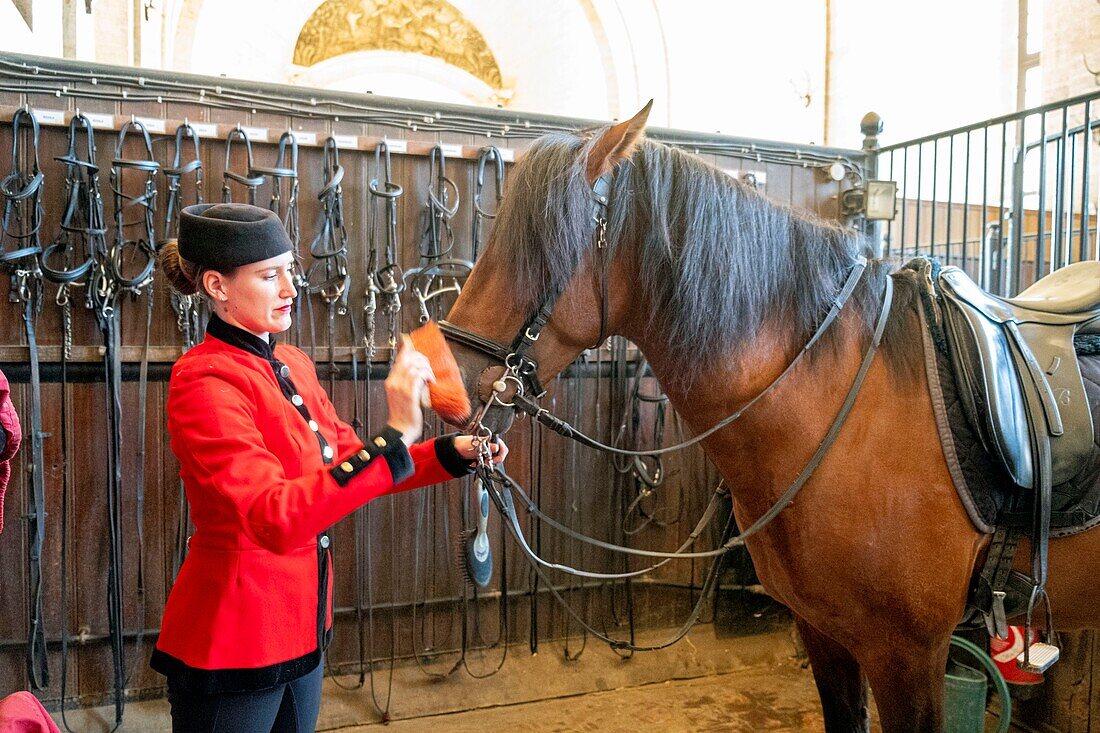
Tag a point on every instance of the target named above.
point(983, 485)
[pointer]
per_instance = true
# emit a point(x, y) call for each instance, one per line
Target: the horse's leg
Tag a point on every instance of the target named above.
point(907, 681)
point(839, 681)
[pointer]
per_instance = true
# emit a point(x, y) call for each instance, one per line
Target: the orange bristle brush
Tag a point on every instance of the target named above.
point(447, 393)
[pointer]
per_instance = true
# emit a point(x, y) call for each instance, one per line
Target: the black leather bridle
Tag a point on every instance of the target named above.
point(520, 367)
point(20, 247)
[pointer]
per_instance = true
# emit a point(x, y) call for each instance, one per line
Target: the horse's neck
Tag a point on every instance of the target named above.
point(757, 452)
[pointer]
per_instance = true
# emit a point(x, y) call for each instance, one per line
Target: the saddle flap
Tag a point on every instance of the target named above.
point(989, 388)
point(1061, 391)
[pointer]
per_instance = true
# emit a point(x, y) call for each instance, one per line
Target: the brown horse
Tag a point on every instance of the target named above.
point(720, 289)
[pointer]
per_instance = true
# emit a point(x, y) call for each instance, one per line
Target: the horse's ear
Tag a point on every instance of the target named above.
point(616, 144)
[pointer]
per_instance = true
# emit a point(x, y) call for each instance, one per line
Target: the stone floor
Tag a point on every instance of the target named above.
point(780, 698)
point(704, 683)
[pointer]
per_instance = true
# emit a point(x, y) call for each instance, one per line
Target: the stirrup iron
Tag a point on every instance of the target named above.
point(1038, 658)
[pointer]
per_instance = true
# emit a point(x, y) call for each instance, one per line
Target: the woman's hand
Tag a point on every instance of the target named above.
point(405, 389)
point(469, 448)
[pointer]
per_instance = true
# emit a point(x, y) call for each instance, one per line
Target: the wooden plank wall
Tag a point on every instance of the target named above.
point(414, 576)
point(1068, 699)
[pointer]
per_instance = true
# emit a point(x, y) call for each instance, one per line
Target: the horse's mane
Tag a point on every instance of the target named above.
point(719, 260)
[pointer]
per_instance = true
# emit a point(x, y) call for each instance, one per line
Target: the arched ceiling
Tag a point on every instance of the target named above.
point(598, 59)
point(432, 28)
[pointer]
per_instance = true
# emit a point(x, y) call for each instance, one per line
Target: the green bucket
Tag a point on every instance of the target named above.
point(964, 699)
point(965, 690)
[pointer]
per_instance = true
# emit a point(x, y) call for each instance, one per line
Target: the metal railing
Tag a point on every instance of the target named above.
point(1009, 199)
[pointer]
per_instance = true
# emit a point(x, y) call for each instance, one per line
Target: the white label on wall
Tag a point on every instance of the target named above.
point(350, 142)
point(756, 179)
point(99, 119)
point(255, 134)
point(451, 151)
point(508, 155)
point(305, 138)
point(205, 129)
point(397, 146)
point(153, 124)
point(49, 116)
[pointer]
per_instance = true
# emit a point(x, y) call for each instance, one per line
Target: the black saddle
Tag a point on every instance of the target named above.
point(1016, 368)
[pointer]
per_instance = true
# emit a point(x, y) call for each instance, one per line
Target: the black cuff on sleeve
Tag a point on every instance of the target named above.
point(387, 444)
point(451, 459)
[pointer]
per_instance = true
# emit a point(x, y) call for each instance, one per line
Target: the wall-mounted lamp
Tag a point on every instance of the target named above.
point(875, 201)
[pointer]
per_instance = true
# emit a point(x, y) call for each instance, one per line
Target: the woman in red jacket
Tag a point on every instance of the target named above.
point(267, 466)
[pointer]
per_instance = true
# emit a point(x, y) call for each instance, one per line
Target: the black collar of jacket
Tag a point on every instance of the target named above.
point(243, 340)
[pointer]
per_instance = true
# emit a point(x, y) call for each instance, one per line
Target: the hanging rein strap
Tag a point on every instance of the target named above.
point(145, 203)
point(330, 250)
point(186, 307)
point(20, 246)
point(67, 259)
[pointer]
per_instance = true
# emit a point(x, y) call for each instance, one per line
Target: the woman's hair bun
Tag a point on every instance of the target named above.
point(180, 272)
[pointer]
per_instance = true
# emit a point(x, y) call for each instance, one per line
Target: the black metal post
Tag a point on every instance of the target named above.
point(871, 127)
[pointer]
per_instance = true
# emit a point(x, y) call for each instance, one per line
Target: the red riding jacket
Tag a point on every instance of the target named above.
point(267, 466)
point(10, 437)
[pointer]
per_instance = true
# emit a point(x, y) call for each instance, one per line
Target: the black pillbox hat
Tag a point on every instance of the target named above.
point(224, 236)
